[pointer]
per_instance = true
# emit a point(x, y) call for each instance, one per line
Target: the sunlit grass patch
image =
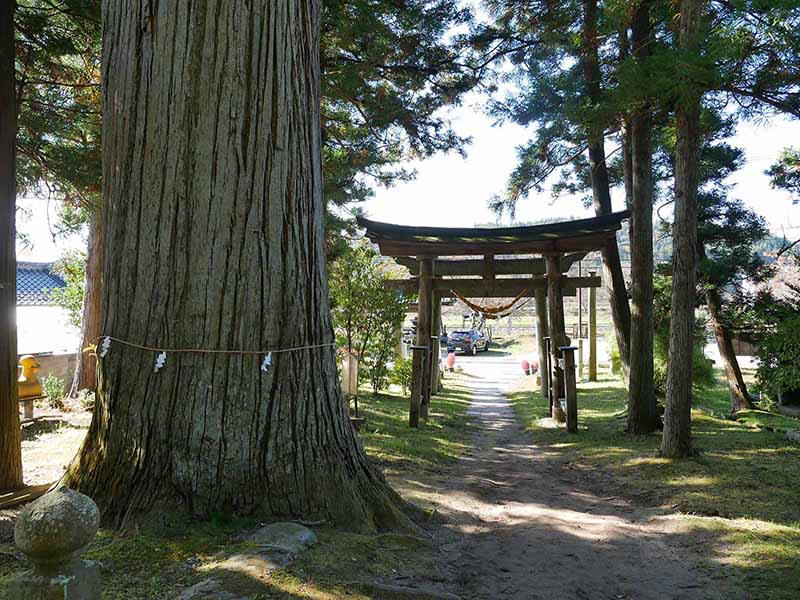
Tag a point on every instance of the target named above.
point(763, 556)
point(388, 438)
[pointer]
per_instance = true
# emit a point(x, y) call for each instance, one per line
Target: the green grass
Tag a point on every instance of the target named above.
point(716, 401)
point(388, 439)
point(746, 475)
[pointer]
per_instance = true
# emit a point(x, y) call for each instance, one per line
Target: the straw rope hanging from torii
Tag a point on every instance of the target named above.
point(492, 312)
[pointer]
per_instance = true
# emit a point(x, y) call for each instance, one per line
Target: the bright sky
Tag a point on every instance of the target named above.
point(453, 191)
point(35, 219)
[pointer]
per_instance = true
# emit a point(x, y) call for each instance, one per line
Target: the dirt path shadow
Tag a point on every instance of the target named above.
point(521, 524)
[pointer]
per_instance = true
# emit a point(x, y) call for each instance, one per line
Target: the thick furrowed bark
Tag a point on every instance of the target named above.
point(10, 450)
point(213, 229)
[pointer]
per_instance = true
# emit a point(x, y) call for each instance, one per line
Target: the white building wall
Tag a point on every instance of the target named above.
point(45, 329)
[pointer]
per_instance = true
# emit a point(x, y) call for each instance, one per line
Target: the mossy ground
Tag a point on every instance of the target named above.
point(740, 493)
point(160, 561)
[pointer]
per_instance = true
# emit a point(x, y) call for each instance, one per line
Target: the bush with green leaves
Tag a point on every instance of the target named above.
point(702, 367)
point(367, 317)
point(779, 353)
point(54, 390)
point(401, 374)
point(72, 267)
point(614, 357)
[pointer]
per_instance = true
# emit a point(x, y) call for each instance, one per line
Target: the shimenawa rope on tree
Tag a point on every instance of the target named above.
point(103, 344)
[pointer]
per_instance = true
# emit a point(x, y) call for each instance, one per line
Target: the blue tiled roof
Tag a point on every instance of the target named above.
point(33, 282)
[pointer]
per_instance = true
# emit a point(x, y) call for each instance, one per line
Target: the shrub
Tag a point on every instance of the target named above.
point(779, 357)
point(702, 367)
point(614, 357)
point(72, 267)
point(54, 390)
point(401, 374)
point(367, 317)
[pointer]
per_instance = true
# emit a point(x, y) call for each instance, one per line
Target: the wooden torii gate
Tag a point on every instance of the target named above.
point(490, 287)
point(559, 245)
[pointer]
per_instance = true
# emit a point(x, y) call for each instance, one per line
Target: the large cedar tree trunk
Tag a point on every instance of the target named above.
point(601, 193)
point(677, 438)
point(212, 219)
point(642, 414)
point(85, 377)
point(10, 451)
point(740, 398)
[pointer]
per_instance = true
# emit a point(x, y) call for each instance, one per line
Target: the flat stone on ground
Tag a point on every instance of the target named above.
point(209, 589)
point(255, 563)
point(286, 537)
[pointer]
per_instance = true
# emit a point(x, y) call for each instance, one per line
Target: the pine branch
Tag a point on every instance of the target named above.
point(786, 247)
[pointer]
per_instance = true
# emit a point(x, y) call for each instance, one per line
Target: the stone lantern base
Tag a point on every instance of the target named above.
point(76, 580)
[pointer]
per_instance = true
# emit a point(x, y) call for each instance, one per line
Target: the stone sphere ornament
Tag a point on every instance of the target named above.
point(54, 529)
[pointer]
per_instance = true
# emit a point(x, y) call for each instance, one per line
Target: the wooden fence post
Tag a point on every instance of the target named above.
point(570, 387)
point(424, 318)
point(542, 333)
point(419, 356)
point(592, 331)
point(558, 336)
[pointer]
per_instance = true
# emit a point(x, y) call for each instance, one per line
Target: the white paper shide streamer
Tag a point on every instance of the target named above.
point(104, 346)
point(161, 358)
point(267, 362)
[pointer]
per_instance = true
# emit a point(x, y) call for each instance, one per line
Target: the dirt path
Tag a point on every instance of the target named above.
point(524, 526)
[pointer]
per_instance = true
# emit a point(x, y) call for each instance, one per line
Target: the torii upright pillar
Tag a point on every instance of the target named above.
point(542, 331)
point(592, 332)
point(558, 336)
point(436, 331)
point(421, 371)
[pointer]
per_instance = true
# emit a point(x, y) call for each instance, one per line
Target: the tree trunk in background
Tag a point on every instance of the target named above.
point(625, 128)
point(642, 414)
point(10, 450)
point(86, 368)
point(627, 162)
point(677, 438)
point(212, 214)
point(612, 268)
point(740, 399)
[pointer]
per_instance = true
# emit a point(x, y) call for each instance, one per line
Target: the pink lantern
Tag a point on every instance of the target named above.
point(526, 366)
point(451, 360)
point(535, 366)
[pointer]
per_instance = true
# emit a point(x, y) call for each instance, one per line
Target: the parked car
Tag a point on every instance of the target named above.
point(467, 340)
